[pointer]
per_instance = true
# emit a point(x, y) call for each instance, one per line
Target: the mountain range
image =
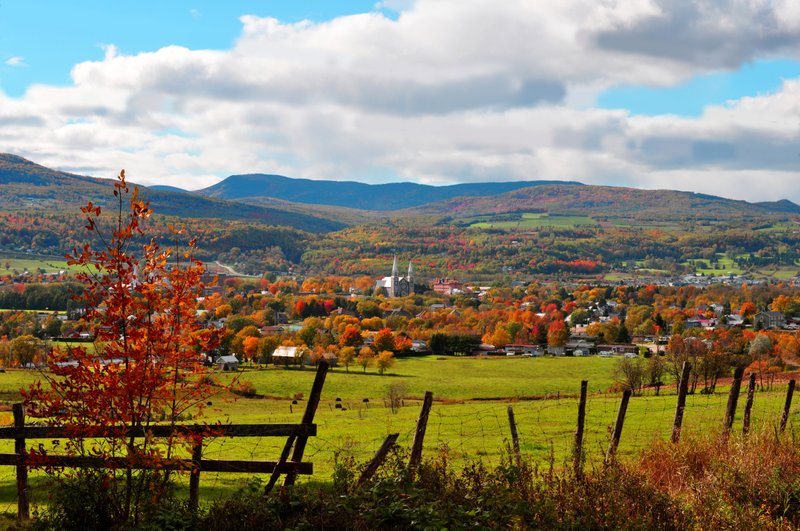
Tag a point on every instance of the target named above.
point(324, 206)
point(380, 197)
point(25, 185)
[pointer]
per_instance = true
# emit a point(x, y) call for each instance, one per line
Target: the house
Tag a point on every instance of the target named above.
point(398, 312)
point(447, 286)
point(700, 322)
point(580, 347)
point(734, 320)
point(419, 345)
point(272, 330)
point(228, 363)
point(767, 320)
point(524, 350)
point(288, 355)
point(556, 351)
point(618, 350)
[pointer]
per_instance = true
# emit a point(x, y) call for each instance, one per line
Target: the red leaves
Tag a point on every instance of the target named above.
point(141, 309)
point(90, 208)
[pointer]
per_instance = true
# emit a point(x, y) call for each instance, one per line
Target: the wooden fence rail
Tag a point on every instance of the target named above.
point(21, 434)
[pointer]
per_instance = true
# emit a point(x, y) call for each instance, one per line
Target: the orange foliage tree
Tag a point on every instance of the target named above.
point(141, 301)
point(384, 340)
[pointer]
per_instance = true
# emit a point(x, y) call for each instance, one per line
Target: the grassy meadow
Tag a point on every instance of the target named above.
point(530, 220)
point(11, 265)
point(468, 417)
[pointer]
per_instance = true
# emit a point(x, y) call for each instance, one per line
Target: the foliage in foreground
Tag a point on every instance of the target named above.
point(141, 301)
point(701, 483)
point(704, 483)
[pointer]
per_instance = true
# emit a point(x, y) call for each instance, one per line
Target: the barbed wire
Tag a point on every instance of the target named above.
point(470, 430)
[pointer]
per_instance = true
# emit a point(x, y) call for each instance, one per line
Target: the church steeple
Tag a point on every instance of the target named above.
point(410, 276)
point(395, 272)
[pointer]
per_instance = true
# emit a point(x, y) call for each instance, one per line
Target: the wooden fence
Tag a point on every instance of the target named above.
point(297, 436)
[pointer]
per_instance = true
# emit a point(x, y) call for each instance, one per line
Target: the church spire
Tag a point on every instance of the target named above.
point(395, 272)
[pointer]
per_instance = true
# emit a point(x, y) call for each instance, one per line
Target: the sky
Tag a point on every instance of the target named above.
point(698, 95)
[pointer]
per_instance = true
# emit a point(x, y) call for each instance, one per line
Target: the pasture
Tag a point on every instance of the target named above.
point(468, 417)
point(529, 220)
point(10, 265)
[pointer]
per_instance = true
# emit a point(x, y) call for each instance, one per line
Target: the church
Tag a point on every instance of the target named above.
point(395, 285)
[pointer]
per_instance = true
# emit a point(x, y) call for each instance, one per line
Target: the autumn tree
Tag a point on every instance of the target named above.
point(351, 337)
point(500, 338)
point(760, 351)
point(365, 357)
point(384, 361)
point(346, 357)
point(25, 349)
point(656, 367)
point(629, 373)
point(250, 347)
point(384, 340)
point(402, 343)
point(141, 300)
point(557, 334)
point(267, 346)
point(747, 310)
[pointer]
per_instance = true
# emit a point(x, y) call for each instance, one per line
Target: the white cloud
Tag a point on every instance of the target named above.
point(451, 91)
point(16, 61)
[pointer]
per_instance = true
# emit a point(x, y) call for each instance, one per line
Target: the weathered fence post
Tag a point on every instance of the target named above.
point(514, 437)
point(380, 456)
point(577, 455)
point(419, 434)
point(194, 475)
point(748, 405)
point(787, 405)
point(615, 436)
point(23, 510)
point(683, 389)
point(733, 399)
point(308, 417)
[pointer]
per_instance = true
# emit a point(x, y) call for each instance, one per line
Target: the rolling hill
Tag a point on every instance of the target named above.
point(355, 195)
point(609, 202)
point(25, 185)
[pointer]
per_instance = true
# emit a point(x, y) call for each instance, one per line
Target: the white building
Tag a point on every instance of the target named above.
point(395, 285)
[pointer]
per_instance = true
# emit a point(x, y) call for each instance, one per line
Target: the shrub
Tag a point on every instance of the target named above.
point(704, 483)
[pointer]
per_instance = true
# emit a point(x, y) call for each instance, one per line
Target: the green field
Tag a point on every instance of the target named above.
point(529, 220)
point(725, 266)
point(781, 273)
point(449, 378)
point(11, 265)
point(469, 415)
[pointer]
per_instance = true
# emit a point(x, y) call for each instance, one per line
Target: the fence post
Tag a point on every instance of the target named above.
point(733, 399)
point(787, 405)
point(748, 405)
point(683, 389)
point(380, 455)
point(578, 450)
point(419, 434)
point(23, 510)
point(194, 477)
point(308, 417)
point(615, 436)
point(514, 437)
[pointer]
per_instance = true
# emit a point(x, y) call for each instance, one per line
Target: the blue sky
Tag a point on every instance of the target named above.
point(658, 94)
point(43, 49)
point(692, 96)
point(74, 31)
